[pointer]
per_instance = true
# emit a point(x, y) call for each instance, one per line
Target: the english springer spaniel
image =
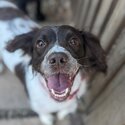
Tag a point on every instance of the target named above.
point(53, 62)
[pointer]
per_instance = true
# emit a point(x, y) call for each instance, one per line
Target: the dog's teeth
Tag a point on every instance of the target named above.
point(62, 95)
point(52, 91)
point(70, 77)
point(66, 91)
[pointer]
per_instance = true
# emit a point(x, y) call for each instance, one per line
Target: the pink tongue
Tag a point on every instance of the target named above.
point(58, 82)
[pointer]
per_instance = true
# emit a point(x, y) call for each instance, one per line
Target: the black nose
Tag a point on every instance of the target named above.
point(58, 59)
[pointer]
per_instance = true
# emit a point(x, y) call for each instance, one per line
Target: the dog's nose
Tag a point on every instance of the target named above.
point(58, 59)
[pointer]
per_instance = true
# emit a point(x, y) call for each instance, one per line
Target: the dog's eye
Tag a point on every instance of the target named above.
point(41, 44)
point(74, 42)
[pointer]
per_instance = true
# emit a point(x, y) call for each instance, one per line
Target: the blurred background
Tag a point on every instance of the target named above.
point(104, 103)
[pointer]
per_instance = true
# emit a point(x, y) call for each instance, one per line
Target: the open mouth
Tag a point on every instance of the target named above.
point(59, 86)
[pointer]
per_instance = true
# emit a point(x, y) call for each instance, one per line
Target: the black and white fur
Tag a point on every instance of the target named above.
point(41, 101)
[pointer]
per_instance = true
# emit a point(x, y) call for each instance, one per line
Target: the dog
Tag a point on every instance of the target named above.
point(53, 62)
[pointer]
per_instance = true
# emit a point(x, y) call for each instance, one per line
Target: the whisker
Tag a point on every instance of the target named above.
point(86, 61)
point(85, 58)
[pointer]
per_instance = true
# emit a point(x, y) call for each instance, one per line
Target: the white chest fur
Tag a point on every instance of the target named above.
point(42, 102)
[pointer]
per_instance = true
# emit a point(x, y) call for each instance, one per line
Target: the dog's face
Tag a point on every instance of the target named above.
point(54, 56)
point(58, 54)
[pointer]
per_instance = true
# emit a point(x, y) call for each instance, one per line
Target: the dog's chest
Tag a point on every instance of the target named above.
point(40, 99)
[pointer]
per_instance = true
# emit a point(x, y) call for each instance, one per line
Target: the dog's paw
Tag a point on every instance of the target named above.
point(62, 114)
point(47, 119)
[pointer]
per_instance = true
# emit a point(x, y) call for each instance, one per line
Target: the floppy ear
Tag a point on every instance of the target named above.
point(23, 41)
point(94, 52)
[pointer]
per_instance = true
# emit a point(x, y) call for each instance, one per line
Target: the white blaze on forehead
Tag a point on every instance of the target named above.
point(4, 4)
point(57, 48)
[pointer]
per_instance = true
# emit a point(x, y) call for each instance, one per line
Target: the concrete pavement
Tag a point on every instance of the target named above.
point(25, 121)
point(12, 94)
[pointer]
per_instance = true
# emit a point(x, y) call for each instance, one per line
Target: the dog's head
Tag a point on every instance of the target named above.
point(58, 54)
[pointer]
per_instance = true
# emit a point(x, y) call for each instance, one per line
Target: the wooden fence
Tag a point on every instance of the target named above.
point(105, 100)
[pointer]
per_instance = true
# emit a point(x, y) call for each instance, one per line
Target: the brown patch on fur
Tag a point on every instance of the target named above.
point(9, 13)
point(23, 41)
point(95, 55)
point(20, 73)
